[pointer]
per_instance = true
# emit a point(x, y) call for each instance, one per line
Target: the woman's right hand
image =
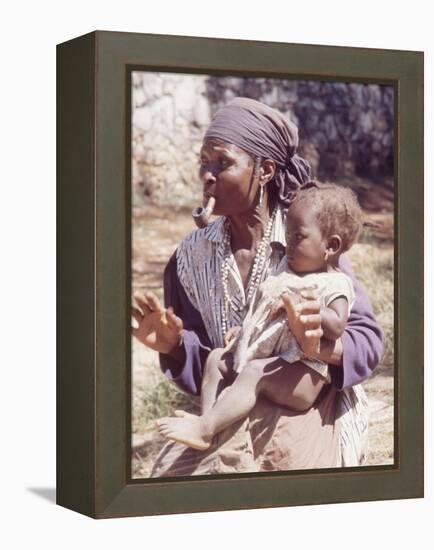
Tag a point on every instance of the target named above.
point(157, 328)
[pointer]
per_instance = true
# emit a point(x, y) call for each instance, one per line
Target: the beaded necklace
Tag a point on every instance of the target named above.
point(255, 277)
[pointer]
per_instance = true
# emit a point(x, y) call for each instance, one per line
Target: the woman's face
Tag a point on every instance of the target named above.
point(227, 173)
point(305, 244)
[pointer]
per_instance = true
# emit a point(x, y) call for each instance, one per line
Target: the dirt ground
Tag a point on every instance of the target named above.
point(156, 233)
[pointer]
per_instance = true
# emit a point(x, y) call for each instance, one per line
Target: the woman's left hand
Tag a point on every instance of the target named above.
point(304, 319)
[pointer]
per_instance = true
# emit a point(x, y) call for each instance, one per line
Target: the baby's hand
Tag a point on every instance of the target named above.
point(304, 320)
point(278, 306)
point(231, 333)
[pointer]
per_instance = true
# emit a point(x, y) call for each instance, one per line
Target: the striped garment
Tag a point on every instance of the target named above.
point(199, 261)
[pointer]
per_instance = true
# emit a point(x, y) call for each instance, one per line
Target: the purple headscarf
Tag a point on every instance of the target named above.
point(263, 132)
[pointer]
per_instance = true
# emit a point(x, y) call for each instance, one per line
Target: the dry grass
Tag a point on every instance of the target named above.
point(372, 260)
point(155, 236)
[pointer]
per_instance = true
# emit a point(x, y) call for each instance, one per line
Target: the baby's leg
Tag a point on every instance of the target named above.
point(295, 387)
point(217, 374)
point(198, 431)
point(190, 429)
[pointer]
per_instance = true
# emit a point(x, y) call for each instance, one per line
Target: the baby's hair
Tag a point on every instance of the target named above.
point(337, 210)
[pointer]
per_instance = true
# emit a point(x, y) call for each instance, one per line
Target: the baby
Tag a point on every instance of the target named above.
point(322, 222)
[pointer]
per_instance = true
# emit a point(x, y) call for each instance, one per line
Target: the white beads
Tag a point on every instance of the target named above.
point(256, 274)
point(227, 302)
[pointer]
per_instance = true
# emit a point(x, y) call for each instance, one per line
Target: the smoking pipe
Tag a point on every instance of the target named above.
point(201, 215)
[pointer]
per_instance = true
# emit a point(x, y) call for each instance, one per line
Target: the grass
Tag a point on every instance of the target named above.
point(154, 395)
point(373, 264)
point(160, 399)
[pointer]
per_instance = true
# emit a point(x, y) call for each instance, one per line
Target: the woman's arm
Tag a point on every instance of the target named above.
point(184, 365)
point(362, 340)
point(334, 318)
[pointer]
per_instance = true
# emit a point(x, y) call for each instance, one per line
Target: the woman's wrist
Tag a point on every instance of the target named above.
point(177, 351)
point(331, 352)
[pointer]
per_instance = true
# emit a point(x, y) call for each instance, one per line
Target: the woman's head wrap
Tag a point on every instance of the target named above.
point(263, 132)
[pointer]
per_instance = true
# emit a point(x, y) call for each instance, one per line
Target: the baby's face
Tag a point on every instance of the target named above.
point(305, 245)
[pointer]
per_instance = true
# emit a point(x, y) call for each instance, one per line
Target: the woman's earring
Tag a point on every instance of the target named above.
point(261, 193)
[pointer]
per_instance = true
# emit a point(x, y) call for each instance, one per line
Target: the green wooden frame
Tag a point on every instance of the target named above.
point(93, 373)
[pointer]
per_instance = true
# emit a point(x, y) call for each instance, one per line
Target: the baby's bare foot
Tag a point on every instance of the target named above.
point(187, 429)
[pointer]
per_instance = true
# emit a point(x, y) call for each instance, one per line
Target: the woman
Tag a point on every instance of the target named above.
point(250, 166)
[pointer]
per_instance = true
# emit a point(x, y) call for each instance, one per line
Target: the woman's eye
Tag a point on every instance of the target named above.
point(220, 164)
